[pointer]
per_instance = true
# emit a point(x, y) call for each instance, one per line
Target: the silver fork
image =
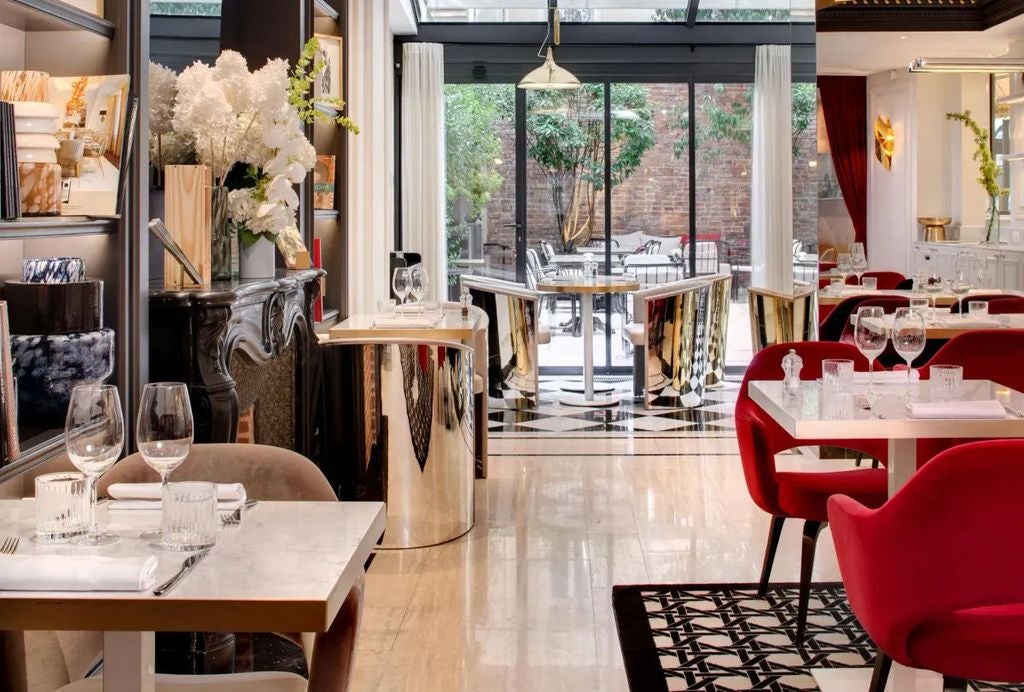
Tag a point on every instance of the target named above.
point(1015, 412)
point(235, 517)
point(9, 546)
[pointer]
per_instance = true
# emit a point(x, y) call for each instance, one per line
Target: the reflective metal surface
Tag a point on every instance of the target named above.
point(778, 318)
point(512, 312)
point(677, 324)
point(418, 397)
point(721, 288)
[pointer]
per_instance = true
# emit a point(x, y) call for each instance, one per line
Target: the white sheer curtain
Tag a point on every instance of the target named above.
point(423, 161)
point(771, 226)
point(371, 191)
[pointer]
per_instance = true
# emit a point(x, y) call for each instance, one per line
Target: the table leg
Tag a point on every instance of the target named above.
point(588, 399)
point(129, 662)
point(902, 463)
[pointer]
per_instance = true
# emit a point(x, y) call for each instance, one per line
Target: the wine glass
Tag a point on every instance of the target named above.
point(94, 438)
point(400, 284)
point(859, 265)
point(164, 429)
point(918, 279)
point(419, 284)
point(857, 250)
point(908, 337)
point(960, 288)
point(844, 265)
point(871, 337)
point(933, 287)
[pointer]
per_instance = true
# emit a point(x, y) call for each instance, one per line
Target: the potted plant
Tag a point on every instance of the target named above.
point(988, 171)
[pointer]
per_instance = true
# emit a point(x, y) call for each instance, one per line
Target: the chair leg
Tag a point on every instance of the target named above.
point(810, 543)
point(880, 675)
point(950, 684)
point(774, 534)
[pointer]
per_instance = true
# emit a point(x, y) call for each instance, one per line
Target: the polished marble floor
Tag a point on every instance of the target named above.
point(524, 601)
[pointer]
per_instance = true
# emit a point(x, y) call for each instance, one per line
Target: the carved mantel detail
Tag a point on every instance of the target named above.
point(193, 334)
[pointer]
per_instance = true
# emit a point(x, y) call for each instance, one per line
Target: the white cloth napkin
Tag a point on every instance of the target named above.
point(955, 321)
point(230, 496)
point(76, 573)
point(956, 409)
point(404, 322)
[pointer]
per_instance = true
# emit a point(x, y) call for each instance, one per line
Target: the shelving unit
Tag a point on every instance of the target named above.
point(63, 40)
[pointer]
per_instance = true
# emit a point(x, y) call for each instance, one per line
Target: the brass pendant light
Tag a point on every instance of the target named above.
point(550, 75)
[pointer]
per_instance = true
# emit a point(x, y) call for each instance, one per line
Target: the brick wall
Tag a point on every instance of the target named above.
point(655, 199)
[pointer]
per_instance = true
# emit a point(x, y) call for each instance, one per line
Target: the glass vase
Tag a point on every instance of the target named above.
point(220, 235)
point(992, 221)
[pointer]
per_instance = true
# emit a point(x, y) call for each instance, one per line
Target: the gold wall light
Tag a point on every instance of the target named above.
point(885, 142)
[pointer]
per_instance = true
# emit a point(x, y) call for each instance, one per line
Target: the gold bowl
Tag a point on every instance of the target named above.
point(934, 227)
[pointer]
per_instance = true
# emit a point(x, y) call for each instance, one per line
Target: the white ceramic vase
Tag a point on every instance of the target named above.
point(256, 261)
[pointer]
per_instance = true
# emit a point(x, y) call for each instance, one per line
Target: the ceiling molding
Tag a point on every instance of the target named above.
point(918, 15)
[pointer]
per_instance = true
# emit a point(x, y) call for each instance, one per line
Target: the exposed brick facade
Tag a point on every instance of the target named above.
point(655, 199)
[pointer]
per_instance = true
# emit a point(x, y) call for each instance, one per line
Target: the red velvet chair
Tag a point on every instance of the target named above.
point(984, 354)
point(887, 281)
point(997, 304)
point(798, 495)
point(934, 576)
point(832, 325)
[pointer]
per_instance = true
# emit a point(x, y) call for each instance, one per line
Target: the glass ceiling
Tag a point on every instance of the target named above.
point(616, 10)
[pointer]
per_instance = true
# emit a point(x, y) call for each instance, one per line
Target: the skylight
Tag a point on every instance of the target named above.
point(597, 11)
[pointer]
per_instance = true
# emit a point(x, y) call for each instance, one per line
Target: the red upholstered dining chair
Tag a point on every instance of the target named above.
point(798, 495)
point(984, 354)
point(934, 575)
point(831, 328)
point(889, 304)
point(887, 281)
point(997, 304)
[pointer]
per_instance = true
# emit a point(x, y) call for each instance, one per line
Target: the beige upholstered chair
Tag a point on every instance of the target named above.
point(48, 661)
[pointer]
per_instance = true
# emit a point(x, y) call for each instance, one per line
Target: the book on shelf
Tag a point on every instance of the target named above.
point(10, 194)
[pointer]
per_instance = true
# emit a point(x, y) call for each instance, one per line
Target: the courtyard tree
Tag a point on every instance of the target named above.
point(565, 138)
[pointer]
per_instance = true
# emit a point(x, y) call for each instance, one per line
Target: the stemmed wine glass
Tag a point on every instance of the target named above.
point(859, 265)
point(871, 337)
point(960, 288)
point(933, 287)
point(400, 284)
point(94, 438)
point(164, 429)
point(419, 284)
point(908, 337)
point(844, 265)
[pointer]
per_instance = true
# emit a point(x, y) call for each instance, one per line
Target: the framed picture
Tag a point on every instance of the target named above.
point(323, 182)
point(328, 82)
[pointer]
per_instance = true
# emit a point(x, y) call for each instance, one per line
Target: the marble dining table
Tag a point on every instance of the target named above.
point(445, 324)
point(941, 324)
point(833, 296)
point(814, 413)
point(586, 288)
point(287, 567)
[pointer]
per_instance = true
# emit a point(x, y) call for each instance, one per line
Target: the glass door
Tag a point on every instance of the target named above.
point(481, 181)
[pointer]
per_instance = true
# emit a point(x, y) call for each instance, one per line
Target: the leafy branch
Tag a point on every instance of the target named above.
point(307, 68)
point(988, 173)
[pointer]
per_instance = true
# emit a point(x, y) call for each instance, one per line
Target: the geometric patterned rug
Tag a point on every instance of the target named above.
point(723, 637)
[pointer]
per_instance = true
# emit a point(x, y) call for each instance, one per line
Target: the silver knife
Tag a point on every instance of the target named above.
point(186, 567)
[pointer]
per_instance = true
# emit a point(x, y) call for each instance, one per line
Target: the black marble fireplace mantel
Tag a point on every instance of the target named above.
point(194, 332)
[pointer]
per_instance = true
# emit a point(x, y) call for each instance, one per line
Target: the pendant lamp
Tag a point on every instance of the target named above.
point(550, 75)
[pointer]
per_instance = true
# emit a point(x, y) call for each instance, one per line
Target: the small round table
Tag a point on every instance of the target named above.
point(586, 288)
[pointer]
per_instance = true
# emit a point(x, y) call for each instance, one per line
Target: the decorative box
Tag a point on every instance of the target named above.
point(53, 270)
point(40, 188)
point(48, 366)
point(23, 85)
point(37, 308)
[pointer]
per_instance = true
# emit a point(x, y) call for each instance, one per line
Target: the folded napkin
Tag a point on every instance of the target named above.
point(76, 573)
point(988, 409)
point(230, 496)
point(955, 322)
point(404, 322)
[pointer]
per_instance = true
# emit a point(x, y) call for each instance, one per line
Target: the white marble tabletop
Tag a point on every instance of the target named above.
point(288, 567)
point(833, 296)
point(583, 285)
point(942, 324)
point(445, 324)
point(813, 413)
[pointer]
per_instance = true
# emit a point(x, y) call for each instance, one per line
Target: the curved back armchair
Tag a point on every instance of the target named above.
point(887, 281)
point(779, 318)
point(677, 322)
point(997, 304)
point(653, 270)
point(934, 574)
point(721, 290)
point(513, 314)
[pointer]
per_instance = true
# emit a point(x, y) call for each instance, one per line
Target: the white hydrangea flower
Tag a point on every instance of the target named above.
point(162, 93)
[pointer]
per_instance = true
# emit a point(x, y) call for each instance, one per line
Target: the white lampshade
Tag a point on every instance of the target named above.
point(550, 76)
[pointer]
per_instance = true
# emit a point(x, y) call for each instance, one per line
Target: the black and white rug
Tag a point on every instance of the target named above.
point(723, 637)
point(714, 415)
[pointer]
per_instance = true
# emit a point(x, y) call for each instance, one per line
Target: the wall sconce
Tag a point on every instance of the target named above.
point(885, 142)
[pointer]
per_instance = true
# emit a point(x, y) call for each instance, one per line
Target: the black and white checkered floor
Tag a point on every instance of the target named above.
point(713, 418)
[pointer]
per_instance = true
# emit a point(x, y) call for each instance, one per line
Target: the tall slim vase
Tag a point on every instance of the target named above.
point(220, 235)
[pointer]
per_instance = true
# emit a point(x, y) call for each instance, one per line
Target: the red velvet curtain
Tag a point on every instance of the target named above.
point(844, 102)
